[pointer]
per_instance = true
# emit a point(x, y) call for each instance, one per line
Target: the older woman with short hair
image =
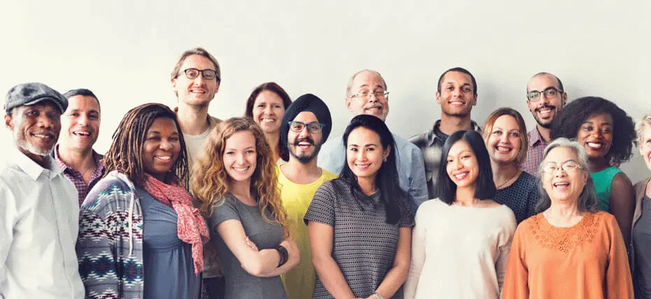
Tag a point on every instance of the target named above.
point(570, 249)
point(641, 255)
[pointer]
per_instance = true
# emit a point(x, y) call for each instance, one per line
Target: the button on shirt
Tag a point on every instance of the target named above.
point(38, 228)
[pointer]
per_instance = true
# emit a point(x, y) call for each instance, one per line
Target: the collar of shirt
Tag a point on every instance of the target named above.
point(99, 165)
point(436, 133)
point(534, 137)
point(33, 169)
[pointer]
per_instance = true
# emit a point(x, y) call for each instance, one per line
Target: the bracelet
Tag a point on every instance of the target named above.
point(378, 296)
point(284, 255)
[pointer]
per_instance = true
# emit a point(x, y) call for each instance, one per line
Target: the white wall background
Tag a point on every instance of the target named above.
point(125, 50)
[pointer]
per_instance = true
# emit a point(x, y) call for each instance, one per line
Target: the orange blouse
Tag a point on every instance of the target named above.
point(587, 260)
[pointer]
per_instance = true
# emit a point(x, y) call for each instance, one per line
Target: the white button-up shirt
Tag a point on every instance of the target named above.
point(39, 221)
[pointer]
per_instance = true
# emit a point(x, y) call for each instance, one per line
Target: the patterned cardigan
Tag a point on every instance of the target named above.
point(109, 245)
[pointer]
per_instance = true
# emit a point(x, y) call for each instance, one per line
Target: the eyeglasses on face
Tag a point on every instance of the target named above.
point(207, 74)
point(313, 127)
point(567, 166)
point(548, 93)
point(379, 94)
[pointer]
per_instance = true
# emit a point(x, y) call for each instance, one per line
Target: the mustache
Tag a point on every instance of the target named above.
point(306, 139)
point(546, 107)
point(373, 105)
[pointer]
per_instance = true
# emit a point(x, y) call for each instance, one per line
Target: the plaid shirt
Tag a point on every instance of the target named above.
point(534, 152)
point(75, 176)
point(431, 144)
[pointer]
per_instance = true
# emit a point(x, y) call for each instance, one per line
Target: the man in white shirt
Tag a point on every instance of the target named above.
point(38, 207)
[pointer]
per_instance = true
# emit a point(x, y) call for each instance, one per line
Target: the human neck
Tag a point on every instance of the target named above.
point(563, 214)
point(450, 124)
point(81, 161)
point(544, 133)
point(466, 196)
point(301, 173)
point(241, 190)
point(273, 138)
point(367, 185)
point(503, 173)
point(597, 164)
point(193, 119)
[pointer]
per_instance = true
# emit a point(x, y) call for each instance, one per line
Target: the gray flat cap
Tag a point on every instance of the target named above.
point(32, 93)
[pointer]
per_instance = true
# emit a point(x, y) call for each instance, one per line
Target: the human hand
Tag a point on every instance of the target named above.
point(251, 244)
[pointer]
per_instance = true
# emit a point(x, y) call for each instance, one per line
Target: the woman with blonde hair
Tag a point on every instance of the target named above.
point(236, 183)
point(640, 253)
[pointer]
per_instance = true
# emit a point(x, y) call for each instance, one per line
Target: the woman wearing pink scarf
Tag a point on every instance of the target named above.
point(139, 235)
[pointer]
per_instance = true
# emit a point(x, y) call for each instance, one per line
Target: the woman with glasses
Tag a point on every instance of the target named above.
point(236, 183)
point(266, 106)
point(570, 249)
point(461, 239)
point(641, 255)
point(505, 136)
point(139, 235)
point(606, 133)
point(360, 224)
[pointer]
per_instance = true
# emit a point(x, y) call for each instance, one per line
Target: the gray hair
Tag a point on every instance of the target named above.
point(643, 123)
point(352, 78)
point(588, 199)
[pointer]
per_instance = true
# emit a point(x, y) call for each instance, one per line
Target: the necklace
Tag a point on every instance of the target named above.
point(508, 180)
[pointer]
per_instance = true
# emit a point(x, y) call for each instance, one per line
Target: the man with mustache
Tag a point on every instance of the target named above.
point(545, 98)
point(305, 126)
point(39, 212)
point(367, 93)
point(74, 153)
point(456, 93)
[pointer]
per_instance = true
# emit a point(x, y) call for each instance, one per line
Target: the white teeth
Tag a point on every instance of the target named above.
point(82, 133)
point(460, 176)
point(41, 136)
point(595, 145)
point(561, 184)
point(164, 158)
point(240, 168)
point(267, 120)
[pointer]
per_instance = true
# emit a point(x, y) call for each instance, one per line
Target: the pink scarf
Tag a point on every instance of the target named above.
point(191, 227)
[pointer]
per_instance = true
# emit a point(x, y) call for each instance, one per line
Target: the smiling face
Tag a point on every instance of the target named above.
point(370, 82)
point(240, 157)
point(268, 111)
point(80, 123)
point(645, 146)
point(162, 147)
point(462, 166)
point(545, 109)
point(596, 135)
point(457, 94)
point(504, 142)
point(304, 145)
point(197, 91)
point(364, 153)
point(35, 129)
point(563, 185)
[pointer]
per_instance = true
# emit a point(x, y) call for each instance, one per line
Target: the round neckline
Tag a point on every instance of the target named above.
point(566, 227)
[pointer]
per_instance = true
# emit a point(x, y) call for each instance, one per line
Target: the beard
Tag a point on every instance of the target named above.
point(304, 158)
point(545, 123)
point(26, 146)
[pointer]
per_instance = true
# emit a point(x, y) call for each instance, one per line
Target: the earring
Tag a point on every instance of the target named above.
point(385, 159)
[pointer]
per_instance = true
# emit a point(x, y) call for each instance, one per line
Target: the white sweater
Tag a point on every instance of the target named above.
point(459, 252)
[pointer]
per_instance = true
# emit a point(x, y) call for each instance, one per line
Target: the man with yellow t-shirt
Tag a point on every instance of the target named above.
point(305, 126)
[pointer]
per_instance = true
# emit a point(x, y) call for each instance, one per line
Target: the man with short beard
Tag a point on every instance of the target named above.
point(545, 99)
point(456, 93)
point(304, 128)
point(39, 212)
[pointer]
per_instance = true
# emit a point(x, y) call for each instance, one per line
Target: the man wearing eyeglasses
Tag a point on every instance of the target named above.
point(195, 80)
point(545, 98)
point(457, 94)
point(367, 93)
point(305, 126)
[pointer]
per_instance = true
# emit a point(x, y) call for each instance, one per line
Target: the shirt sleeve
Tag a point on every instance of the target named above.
point(516, 284)
point(7, 215)
point(418, 257)
point(331, 156)
point(224, 211)
point(322, 208)
point(504, 246)
point(618, 276)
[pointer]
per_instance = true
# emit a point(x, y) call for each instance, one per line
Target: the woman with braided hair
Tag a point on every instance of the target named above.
point(139, 235)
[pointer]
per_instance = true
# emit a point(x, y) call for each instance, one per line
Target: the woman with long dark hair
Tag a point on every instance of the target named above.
point(360, 224)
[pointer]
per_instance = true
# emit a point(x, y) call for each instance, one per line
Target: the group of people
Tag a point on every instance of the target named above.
point(185, 205)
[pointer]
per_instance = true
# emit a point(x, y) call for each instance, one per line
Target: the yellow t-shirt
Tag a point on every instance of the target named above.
point(296, 198)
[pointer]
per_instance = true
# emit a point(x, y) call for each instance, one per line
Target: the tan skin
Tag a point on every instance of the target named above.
point(194, 95)
point(295, 170)
point(645, 152)
point(504, 143)
point(456, 98)
point(365, 156)
point(596, 136)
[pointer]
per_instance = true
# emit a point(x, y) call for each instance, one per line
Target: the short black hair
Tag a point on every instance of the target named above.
point(386, 180)
point(570, 119)
point(484, 186)
point(81, 92)
point(460, 70)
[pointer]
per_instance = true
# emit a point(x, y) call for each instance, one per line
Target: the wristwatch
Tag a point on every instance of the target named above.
point(284, 255)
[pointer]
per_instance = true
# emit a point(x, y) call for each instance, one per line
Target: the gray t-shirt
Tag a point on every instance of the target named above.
point(169, 268)
point(364, 244)
point(642, 243)
point(239, 283)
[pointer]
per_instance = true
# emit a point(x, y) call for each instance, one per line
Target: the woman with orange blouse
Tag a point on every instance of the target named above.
point(570, 249)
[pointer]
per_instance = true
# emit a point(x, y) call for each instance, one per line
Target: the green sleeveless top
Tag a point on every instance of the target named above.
point(602, 181)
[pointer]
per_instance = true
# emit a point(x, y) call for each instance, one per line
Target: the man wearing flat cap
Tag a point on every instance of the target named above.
point(367, 93)
point(305, 126)
point(38, 204)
